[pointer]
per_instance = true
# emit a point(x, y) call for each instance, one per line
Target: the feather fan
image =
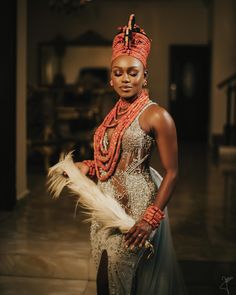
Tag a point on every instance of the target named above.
point(100, 206)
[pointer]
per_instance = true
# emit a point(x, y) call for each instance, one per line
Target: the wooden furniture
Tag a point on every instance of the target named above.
point(70, 99)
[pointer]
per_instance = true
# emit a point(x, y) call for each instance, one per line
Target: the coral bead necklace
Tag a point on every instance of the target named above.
point(119, 118)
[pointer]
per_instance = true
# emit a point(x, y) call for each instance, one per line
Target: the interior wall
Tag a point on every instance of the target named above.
point(21, 179)
point(178, 22)
point(223, 58)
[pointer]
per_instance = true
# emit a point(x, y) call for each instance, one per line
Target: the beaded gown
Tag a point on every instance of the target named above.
point(134, 184)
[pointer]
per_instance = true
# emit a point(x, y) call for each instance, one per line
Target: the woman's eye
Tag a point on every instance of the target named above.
point(133, 74)
point(117, 74)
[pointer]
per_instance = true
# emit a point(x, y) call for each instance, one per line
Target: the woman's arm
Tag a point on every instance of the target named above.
point(164, 130)
point(158, 121)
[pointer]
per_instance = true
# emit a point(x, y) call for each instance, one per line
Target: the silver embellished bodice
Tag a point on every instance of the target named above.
point(132, 185)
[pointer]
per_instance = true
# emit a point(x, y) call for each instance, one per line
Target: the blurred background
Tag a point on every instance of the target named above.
point(55, 91)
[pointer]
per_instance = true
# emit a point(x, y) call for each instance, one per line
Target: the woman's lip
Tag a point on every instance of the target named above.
point(125, 87)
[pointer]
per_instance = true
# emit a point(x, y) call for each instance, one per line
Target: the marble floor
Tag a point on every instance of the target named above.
point(44, 249)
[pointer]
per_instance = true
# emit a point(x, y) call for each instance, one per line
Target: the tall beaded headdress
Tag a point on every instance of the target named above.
point(133, 41)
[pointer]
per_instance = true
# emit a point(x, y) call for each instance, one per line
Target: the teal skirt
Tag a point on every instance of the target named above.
point(160, 274)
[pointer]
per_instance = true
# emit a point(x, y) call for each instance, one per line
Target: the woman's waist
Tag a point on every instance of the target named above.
point(127, 183)
point(130, 165)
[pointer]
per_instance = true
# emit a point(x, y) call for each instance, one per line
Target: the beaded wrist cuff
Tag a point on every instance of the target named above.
point(91, 165)
point(153, 215)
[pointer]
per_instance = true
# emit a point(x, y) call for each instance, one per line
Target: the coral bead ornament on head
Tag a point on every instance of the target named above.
point(132, 41)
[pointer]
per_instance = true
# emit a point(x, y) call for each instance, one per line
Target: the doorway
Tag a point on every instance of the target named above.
point(189, 90)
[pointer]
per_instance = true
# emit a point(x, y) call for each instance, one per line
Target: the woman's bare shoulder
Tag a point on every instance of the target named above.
point(156, 114)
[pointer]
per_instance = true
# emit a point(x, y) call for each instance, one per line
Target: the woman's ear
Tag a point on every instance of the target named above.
point(145, 78)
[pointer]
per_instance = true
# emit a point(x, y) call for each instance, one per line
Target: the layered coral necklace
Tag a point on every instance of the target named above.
point(119, 118)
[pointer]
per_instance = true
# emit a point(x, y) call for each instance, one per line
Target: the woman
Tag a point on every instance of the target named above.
point(122, 150)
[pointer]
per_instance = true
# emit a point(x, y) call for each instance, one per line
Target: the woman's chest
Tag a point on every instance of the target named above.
point(133, 137)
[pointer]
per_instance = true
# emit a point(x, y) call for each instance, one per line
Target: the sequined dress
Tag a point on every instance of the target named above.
point(133, 185)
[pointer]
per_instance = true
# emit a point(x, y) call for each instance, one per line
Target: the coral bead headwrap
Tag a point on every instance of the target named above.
point(133, 41)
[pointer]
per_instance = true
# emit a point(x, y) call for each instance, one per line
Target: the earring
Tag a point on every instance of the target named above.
point(111, 83)
point(145, 83)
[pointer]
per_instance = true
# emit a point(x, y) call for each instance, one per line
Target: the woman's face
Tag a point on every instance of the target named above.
point(127, 76)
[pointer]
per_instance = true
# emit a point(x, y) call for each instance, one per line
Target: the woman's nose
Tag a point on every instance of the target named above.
point(125, 78)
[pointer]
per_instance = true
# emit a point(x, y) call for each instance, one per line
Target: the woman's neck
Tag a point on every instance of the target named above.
point(129, 100)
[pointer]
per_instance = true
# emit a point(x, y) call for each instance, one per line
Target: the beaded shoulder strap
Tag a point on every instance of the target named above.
point(150, 102)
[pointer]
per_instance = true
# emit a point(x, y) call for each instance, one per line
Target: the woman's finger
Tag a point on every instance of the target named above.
point(132, 238)
point(142, 243)
point(138, 239)
point(130, 232)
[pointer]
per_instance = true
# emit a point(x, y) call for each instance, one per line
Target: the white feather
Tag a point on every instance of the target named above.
point(103, 208)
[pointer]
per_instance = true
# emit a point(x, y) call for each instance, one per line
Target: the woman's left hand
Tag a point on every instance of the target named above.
point(138, 234)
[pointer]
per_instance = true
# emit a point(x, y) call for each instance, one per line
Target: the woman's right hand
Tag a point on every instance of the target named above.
point(84, 169)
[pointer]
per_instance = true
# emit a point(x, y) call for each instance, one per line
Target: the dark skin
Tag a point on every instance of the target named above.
point(128, 77)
